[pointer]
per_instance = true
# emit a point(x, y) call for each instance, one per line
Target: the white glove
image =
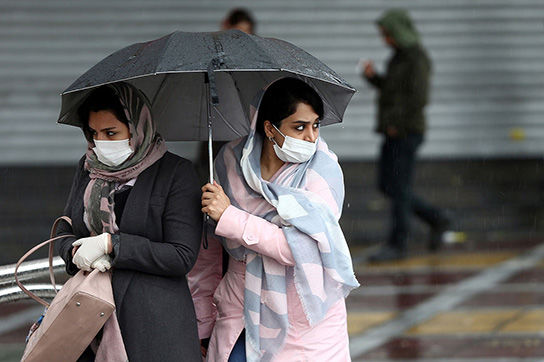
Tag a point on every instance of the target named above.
point(89, 250)
point(103, 263)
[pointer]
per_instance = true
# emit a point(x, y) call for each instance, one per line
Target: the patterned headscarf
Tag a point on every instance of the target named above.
point(105, 180)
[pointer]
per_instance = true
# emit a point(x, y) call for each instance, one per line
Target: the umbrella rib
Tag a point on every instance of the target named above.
point(332, 72)
point(164, 52)
point(265, 50)
point(159, 90)
point(226, 122)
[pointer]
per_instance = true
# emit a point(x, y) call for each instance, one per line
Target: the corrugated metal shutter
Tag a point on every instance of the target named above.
point(488, 82)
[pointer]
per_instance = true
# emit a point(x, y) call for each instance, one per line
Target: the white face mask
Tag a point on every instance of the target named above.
point(112, 153)
point(293, 149)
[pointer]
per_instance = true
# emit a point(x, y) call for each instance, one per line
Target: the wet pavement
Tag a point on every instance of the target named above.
point(470, 302)
point(476, 301)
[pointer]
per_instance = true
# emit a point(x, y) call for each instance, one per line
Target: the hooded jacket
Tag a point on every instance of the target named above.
point(404, 88)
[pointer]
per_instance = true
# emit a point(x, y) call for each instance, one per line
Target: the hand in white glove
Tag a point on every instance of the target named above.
point(90, 249)
point(103, 263)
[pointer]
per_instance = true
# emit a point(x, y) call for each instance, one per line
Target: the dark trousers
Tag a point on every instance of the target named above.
point(396, 168)
point(238, 353)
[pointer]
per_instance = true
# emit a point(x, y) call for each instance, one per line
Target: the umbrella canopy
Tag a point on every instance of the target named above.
point(196, 79)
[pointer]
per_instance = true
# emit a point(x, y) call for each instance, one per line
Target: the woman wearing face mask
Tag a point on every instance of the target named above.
point(134, 209)
point(277, 203)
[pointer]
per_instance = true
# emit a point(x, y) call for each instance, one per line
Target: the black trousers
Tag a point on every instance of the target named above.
point(396, 168)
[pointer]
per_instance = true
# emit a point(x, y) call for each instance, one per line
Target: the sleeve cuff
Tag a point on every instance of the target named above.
point(240, 226)
point(232, 223)
point(71, 268)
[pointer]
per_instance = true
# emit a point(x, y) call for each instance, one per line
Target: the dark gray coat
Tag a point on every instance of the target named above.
point(160, 235)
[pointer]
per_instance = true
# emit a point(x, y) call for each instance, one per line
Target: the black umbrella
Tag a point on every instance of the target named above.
point(199, 83)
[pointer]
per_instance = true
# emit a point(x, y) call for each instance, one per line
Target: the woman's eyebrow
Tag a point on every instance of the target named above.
point(107, 129)
point(306, 122)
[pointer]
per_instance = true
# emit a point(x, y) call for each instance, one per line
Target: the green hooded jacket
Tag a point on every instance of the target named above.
point(404, 88)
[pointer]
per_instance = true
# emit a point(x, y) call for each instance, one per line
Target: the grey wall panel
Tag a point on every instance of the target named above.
point(488, 81)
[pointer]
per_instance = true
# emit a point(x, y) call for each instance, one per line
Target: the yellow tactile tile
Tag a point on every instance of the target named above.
point(463, 260)
point(473, 321)
point(530, 321)
point(361, 321)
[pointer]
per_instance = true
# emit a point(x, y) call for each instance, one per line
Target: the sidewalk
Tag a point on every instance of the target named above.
point(472, 302)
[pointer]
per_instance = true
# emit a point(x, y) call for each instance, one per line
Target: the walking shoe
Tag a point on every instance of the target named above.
point(387, 253)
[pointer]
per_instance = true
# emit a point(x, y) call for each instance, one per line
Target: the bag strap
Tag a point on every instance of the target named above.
point(51, 252)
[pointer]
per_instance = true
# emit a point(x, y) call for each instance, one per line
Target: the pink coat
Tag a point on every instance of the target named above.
point(219, 301)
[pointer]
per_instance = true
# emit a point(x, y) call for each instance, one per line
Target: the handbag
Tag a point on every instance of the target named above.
point(75, 315)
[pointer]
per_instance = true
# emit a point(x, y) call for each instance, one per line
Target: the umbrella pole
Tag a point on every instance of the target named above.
point(210, 149)
point(210, 164)
point(210, 137)
point(210, 155)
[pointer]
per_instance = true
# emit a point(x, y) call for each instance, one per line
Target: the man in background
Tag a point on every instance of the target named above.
point(241, 19)
point(403, 93)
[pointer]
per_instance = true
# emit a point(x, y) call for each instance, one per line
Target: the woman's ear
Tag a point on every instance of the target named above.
point(268, 129)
